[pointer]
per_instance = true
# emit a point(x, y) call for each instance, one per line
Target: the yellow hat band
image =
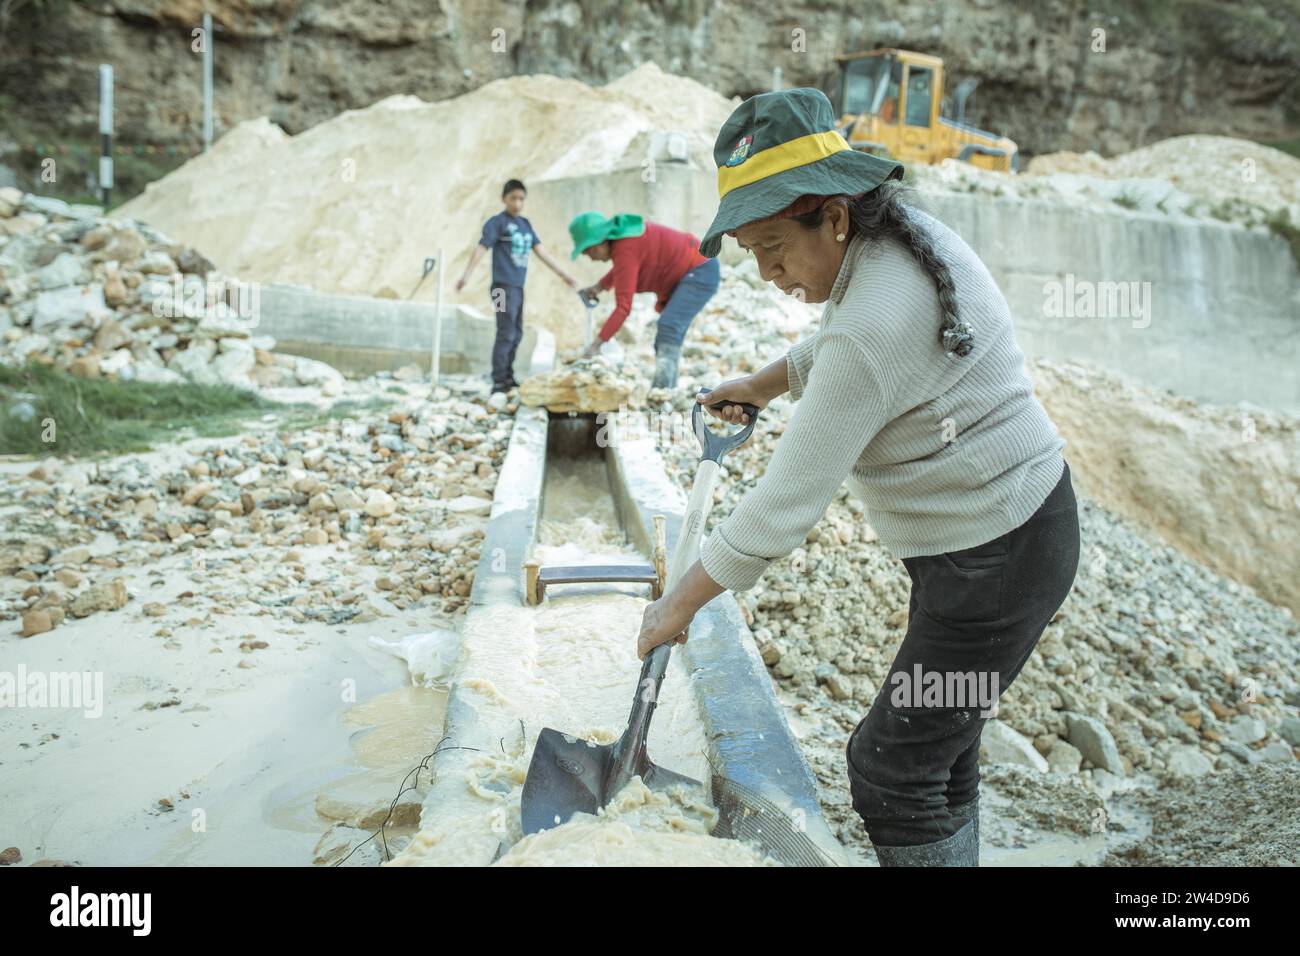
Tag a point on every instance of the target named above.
point(777, 159)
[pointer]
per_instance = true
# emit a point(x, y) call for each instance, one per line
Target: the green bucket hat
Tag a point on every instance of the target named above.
point(591, 228)
point(776, 147)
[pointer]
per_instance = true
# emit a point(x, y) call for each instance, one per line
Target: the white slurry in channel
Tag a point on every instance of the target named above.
point(569, 664)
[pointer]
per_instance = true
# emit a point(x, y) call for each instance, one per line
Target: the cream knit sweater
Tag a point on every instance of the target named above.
point(945, 452)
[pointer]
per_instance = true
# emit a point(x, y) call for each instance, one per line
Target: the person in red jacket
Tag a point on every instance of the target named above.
point(647, 257)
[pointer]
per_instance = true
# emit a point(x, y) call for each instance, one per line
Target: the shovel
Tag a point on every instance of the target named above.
point(590, 306)
point(567, 774)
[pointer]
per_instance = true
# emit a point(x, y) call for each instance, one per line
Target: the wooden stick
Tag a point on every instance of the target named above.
point(532, 568)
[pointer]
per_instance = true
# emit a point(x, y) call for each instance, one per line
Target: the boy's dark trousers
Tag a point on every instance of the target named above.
point(979, 610)
point(508, 306)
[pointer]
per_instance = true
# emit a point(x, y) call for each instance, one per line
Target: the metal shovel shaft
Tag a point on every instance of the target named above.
point(630, 750)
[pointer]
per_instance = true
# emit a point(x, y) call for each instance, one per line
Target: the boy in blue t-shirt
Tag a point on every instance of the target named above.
point(511, 238)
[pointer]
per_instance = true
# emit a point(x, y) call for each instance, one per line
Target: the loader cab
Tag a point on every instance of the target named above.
point(864, 82)
point(889, 101)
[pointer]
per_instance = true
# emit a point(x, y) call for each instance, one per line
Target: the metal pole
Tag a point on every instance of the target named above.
point(776, 79)
point(207, 82)
point(105, 132)
point(437, 328)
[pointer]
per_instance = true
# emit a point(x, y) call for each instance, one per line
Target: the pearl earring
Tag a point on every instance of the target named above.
point(840, 237)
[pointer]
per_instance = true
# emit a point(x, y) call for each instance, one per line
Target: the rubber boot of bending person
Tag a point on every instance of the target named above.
point(960, 849)
point(970, 811)
point(666, 359)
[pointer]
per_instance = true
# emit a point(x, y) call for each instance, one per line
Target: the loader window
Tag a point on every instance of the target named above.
point(918, 96)
point(888, 111)
point(863, 85)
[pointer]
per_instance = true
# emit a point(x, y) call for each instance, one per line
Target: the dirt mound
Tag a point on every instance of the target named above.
point(1220, 484)
point(355, 204)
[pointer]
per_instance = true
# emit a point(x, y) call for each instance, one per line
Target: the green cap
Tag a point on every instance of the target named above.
point(591, 228)
point(776, 147)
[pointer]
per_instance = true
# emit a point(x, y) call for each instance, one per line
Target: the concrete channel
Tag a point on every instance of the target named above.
point(748, 738)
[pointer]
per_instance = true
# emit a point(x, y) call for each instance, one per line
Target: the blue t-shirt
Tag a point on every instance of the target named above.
point(511, 239)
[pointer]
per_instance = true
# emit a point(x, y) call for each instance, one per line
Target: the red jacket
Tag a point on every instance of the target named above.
point(654, 261)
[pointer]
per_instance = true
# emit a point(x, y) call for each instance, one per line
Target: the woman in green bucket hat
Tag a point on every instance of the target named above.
point(647, 257)
point(912, 390)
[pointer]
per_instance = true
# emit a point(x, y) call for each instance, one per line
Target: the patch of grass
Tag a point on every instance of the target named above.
point(1279, 223)
point(306, 416)
point(1291, 146)
point(1127, 199)
point(85, 416)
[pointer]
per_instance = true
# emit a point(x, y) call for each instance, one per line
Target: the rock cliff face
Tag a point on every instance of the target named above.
point(1168, 69)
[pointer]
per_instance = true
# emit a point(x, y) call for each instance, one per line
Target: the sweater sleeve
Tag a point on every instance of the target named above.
point(848, 400)
point(624, 276)
point(799, 363)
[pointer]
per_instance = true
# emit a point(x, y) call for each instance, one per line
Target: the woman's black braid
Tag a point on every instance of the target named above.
point(882, 213)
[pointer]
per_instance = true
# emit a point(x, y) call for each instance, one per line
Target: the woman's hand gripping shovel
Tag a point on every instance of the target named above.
point(567, 774)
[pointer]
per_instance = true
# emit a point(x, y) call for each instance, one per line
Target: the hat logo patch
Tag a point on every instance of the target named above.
point(741, 152)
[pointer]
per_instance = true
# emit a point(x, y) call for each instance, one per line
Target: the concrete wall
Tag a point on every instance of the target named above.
point(1223, 323)
point(360, 335)
point(1224, 318)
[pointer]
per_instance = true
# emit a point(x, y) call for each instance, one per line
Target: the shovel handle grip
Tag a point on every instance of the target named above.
point(713, 445)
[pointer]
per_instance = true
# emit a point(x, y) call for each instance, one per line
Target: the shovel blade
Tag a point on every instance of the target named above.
point(566, 776)
point(661, 778)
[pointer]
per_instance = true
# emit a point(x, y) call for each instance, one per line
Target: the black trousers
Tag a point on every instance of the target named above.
point(508, 304)
point(976, 615)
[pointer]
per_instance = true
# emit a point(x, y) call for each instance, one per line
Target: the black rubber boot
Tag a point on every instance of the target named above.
point(960, 849)
point(666, 359)
point(970, 811)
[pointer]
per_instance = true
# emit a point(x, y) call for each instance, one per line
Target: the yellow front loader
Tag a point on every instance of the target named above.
point(889, 102)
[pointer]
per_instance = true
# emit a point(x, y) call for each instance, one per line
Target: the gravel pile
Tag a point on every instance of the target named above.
point(308, 525)
point(107, 298)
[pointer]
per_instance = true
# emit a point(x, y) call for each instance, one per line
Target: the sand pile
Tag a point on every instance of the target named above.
point(1255, 821)
point(1221, 484)
point(355, 204)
